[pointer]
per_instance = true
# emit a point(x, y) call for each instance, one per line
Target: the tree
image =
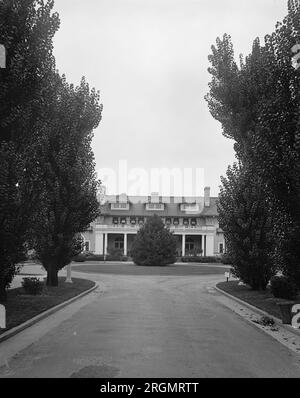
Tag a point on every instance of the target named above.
point(243, 216)
point(154, 244)
point(258, 104)
point(27, 28)
point(65, 170)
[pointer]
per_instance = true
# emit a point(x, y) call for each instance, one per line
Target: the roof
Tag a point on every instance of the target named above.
point(137, 208)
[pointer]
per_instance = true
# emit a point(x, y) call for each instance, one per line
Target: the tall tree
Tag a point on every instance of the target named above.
point(258, 105)
point(65, 169)
point(154, 244)
point(244, 218)
point(27, 28)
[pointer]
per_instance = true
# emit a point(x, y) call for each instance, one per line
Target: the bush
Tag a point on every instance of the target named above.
point(32, 286)
point(201, 260)
point(154, 244)
point(94, 257)
point(226, 259)
point(283, 287)
point(80, 258)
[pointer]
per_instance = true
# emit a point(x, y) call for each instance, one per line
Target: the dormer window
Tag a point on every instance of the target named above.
point(190, 207)
point(119, 206)
point(155, 206)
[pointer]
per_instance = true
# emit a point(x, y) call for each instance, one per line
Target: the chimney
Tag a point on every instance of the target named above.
point(207, 196)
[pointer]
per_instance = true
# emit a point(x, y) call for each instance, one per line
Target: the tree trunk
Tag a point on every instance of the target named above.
point(3, 294)
point(52, 276)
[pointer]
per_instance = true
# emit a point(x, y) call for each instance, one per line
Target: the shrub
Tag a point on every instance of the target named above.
point(80, 258)
point(32, 286)
point(201, 260)
point(154, 244)
point(283, 287)
point(94, 257)
point(226, 259)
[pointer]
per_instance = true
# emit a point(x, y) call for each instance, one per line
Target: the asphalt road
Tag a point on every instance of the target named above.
point(148, 326)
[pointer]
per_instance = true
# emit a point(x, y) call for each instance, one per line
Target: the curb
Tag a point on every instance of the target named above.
point(12, 332)
point(259, 311)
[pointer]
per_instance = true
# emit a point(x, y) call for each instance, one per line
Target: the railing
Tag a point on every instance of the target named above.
point(173, 228)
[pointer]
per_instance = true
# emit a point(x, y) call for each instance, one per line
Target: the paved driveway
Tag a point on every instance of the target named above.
point(147, 326)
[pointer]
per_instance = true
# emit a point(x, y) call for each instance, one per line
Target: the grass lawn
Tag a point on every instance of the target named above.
point(262, 300)
point(21, 307)
point(131, 269)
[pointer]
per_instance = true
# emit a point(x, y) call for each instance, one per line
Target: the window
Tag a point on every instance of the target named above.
point(115, 220)
point(168, 221)
point(123, 220)
point(155, 206)
point(87, 246)
point(192, 207)
point(133, 221)
point(119, 243)
point(176, 221)
point(221, 248)
point(119, 206)
point(186, 221)
point(194, 222)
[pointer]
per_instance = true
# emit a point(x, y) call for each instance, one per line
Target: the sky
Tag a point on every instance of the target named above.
point(149, 60)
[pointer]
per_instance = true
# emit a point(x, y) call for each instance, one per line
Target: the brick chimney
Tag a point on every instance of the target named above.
point(207, 196)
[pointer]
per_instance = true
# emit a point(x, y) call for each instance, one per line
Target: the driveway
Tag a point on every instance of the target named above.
point(147, 326)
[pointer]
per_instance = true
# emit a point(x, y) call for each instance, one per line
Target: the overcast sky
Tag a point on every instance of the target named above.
point(149, 60)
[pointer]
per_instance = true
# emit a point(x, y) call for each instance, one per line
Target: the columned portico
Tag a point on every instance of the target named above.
point(105, 244)
point(183, 245)
point(209, 245)
point(125, 245)
point(99, 247)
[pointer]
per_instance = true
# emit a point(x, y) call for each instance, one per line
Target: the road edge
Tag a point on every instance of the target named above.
point(259, 311)
point(12, 332)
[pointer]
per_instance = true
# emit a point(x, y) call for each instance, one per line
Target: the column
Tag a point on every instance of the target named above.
point(105, 244)
point(125, 244)
point(209, 245)
point(99, 243)
point(183, 245)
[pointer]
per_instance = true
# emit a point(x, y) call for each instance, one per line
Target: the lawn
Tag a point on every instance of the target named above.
point(131, 269)
point(21, 307)
point(262, 300)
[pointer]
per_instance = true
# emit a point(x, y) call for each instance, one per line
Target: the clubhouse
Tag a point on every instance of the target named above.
point(194, 222)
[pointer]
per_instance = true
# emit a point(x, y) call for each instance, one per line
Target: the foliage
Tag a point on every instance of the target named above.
point(80, 258)
point(226, 259)
point(27, 28)
point(244, 218)
point(154, 244)
point(283, 287)
point(32, 286)
point(65, 169)
point(258, 104)
point(201, 260)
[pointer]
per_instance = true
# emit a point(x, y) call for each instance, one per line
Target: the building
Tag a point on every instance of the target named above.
point(194, 222)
